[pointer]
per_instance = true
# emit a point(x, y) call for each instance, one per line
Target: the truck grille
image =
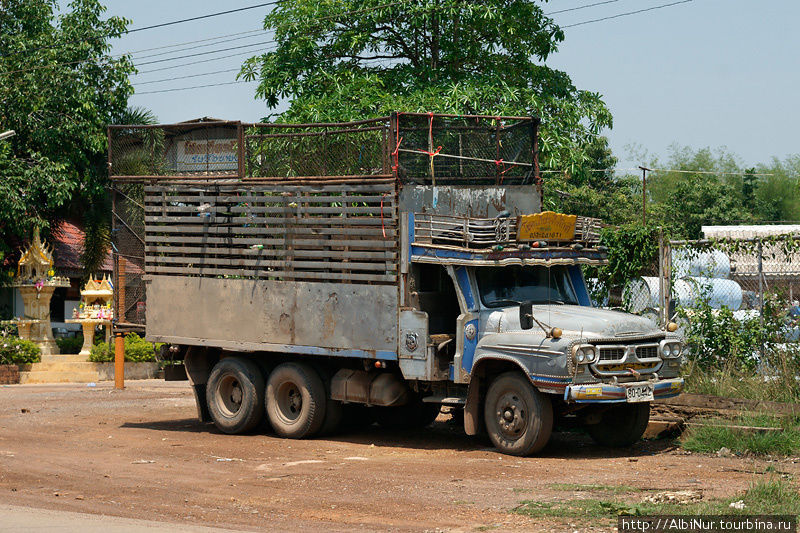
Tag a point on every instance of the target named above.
point(611, 354)
point(619, 359)
point(646, 352)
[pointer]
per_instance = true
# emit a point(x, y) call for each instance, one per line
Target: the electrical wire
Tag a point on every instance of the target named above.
point(662, 6)
point(195, 87)
point(154, 26)
point(189, 76)
point(171, 23)
point(205, 60)
point(581, 7)
point(204, 53)
point(253, 34)
point(187, 42)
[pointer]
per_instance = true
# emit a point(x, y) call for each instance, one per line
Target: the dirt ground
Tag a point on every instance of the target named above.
point(141, 453)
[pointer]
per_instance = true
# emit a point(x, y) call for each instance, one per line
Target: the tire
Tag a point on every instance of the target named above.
point(519, 419)
point(235, 395)
point(413, 415)
point(296, 401)
point(621, 425)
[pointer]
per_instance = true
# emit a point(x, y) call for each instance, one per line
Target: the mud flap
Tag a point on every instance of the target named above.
point(199, 363)
point(472, 408)
point(202, 405)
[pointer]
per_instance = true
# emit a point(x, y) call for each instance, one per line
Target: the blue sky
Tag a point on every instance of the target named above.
point(707, 73)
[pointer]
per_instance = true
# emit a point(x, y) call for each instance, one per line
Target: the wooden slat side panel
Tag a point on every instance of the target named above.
point(326, 233)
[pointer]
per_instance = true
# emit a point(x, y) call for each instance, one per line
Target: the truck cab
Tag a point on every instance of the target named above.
point(529, 345)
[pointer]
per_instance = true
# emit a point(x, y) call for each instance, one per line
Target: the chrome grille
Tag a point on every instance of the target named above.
point(611, 354)
point(647, 352)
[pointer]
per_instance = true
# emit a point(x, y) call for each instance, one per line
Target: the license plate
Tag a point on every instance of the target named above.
point(639, 393)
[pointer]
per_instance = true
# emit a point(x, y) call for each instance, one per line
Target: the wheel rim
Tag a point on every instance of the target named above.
point(229, 396)
point(511, 415)
point(289, 402)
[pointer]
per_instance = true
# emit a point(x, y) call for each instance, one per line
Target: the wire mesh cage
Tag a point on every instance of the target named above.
point(128, 249)
point(207, 149)
point(319, 150)
point(446, 149)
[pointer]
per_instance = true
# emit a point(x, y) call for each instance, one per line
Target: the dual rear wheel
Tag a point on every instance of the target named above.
point(294, 397)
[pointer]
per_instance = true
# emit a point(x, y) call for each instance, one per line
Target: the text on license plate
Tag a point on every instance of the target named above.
point(639, 393)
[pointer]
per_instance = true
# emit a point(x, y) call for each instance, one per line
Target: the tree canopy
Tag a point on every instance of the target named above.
point(59, 88)
point(348, 59)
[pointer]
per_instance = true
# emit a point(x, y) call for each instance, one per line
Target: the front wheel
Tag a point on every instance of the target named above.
point(519, 419)
point(621, 425)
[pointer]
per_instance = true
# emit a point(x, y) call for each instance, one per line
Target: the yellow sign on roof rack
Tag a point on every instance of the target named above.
point(547, 226)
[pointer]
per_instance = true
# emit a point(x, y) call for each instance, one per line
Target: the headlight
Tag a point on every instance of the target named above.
point(585, 354)
point(671, 349)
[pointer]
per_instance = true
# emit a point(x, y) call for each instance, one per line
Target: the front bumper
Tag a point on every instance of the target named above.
point(608, 393)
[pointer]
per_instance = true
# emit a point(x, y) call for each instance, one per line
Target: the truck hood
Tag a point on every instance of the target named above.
point(574, 320)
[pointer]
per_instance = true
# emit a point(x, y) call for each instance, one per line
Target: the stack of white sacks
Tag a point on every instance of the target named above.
point(696, 275)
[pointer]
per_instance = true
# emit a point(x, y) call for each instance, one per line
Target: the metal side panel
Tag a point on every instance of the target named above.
point(262, 314)
point(472, 201)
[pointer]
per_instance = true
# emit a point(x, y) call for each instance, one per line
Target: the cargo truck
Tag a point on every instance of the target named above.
point(376, 270)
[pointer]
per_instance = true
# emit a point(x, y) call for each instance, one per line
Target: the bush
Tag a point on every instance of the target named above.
point(137, 350)
point(101, 353)
point(16, 351)
point(68, 345)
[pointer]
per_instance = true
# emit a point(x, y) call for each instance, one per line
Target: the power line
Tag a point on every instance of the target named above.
point(187, 42)
point(193, 87)
point(125, 32)
point(189, 76)
point(581, 7)
point(662, 6)
point(205, 60)
point(218, 40)
point(181, 21)
point(205, 53)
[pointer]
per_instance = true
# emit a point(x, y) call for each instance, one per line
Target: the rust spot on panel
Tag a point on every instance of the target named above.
point(329, 315)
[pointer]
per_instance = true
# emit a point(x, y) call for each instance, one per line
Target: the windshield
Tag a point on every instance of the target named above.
point(504, 286)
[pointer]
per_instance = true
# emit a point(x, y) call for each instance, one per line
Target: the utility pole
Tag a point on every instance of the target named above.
point(645, 170)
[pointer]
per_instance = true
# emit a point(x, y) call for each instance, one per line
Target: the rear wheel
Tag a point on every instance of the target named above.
point(235, 395)
point(519, 419)
point(296, 400)
point(621, 425)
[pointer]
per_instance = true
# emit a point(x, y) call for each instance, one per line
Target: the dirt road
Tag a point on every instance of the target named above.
point(141, 453)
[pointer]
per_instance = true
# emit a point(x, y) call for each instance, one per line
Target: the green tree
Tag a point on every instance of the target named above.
point(58, 89)
point(348, 59)
point(777, 195)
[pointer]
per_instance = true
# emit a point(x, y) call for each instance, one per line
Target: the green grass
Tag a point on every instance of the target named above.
point(716, 434)
point(737, 383)
point(771, 496)
point(577, 487)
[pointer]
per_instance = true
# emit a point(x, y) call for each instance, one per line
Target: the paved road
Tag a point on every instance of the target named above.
point(28, 520)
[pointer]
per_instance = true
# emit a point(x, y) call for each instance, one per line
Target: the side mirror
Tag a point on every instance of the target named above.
point(526, 315)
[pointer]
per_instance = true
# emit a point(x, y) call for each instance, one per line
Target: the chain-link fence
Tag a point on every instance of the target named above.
point(128, 249)
point(207, 149)
point(739, 280)
point(443, 149)
point(416, 148)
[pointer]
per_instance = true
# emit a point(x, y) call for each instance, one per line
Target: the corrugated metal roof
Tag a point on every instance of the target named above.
point(749, 231)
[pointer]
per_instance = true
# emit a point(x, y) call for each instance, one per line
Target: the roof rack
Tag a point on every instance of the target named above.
point(483, 233)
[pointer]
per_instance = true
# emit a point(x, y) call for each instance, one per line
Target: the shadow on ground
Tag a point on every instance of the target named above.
point(439, 435)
